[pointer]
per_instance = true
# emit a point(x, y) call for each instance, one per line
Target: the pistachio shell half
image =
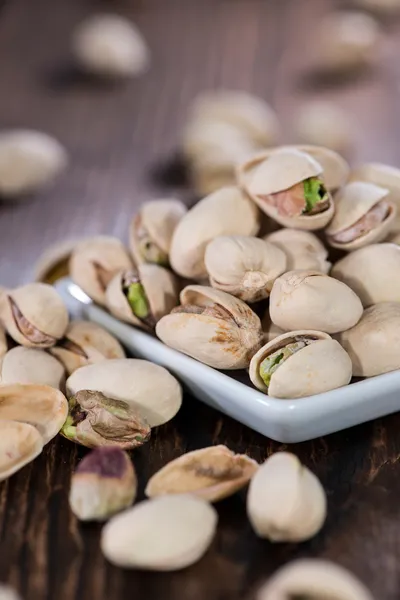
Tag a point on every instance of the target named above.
point(312, 300)
point(211, 473)
point(149, 388)
point(302, 248)
point(245, 267)
point(300, 363)
point(94, 262)
point(225, 212)
point(28, 365)
point(20, 443)
point(213, 327)
point(34, 315)
point(363, 215)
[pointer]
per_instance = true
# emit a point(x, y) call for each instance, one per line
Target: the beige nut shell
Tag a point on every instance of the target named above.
point(3, 341)
point(20, 443)
point(29, 365)
point(316, 368)
point(54, 258)
point(303, 249)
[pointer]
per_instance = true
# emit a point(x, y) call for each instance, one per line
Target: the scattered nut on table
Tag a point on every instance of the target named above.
point(324, 124)
point(29, 365)
point(302, 248)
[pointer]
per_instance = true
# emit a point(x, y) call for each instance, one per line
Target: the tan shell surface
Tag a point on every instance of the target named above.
point(303, 249)
point(245, 267)
point(3, 342)
point(373, 272)
point(271, 331)
point(225, 212)
point(40, 405)
point(20, 443)
point(149, 388)
point(312, 300)
point(29, 365)
point(324, 123)
point(52, 260)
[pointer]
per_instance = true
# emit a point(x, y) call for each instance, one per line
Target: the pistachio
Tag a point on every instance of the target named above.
point(302, 248)
point(28, 365)
point(98, 420)
point(3, 342)
point(225, 212)
point(94, 262)
point(183, 526)
point(8, 593)
point(20, 443)
point(211, 473)
point(53, 263)
point(103, 484)
point(86, 343)
point(286, 502)
point(111, 46)
point(313, 579)
point(213, 327)
point(151, 231)
point(325, 124)
point(148, 388)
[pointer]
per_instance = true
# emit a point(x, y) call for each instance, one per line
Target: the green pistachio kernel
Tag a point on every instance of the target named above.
point(138, 301)
point(314, 192)
point(270, 364)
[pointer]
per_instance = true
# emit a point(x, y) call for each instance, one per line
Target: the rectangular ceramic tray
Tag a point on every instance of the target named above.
point(287, 421)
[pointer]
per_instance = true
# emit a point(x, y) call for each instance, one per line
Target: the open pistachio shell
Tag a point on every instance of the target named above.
point(34, 315)
point(363, 215)
point(312, 300)
point(301, 363)
point(149, 388)
point(225, 212)
point(142, 296)
point(302, 248)
point(245, 267)
point(54, 262)
point(20, 443)
point(40, 405)
point(28, 365)
point(213, 327)
point(86, 343)
point(372, 272)
point(94, 262)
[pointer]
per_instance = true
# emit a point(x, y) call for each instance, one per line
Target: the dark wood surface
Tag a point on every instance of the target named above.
point(120, 139)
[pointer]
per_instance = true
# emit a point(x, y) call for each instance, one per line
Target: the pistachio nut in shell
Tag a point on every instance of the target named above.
point(225, 212)
point(211, 473)
point(363, 215)
point(85, 343)
point(34, 315)
point(373, 272)
point(244, 266)
point(29, 365)
point(147, 387)
point(302, 248)
point(183, 525)
point(326, 124)
point(94, 262)
point(313, 579)
point(313, 300)
point(151, 230)
point(212, 327)
point(53, 263)
point(286, 501)
point(288, 186)
point(142, 295)
point(299, 364)
point(40, 405)
point(103, 484)
point(20, 443)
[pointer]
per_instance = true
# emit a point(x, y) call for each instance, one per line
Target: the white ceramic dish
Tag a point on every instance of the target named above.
point(287, 421)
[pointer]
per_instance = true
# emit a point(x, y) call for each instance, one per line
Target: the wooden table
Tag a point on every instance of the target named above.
point(120, 138)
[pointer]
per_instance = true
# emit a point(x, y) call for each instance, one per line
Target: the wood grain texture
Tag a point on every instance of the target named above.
point(119, 138)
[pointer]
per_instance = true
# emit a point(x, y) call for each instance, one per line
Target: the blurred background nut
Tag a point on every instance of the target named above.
point(302, 248)
point(285, 501)
point(20, 443)
point(103, 484)
point(324, 124)
point(385, 8)
point(28, 365)
point(8, 593)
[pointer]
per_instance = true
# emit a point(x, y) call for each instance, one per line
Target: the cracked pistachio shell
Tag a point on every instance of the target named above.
point(85, 343)
point(245, 267)
point(149, 388)
point(319, 367)
point(94, 262)
point(225, 212)
point(210, 473)
point(28, 365)
point(54, 262)
point(286, 501)
point(34, 315)
point(212, 327)
point(160, 286)
point(373, 272)
point(20, 444)
point(352, 203)
point(313, 300)
point(326, 124)
point(40, 405)
point(313, 579)
point(152, 228)
point(373, 344)
point(302, 248)
point(182, 525)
